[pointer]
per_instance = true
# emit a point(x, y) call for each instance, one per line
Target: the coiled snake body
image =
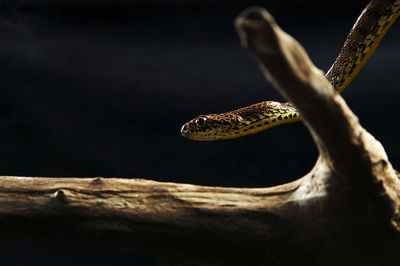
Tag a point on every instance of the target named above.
point(364, 37)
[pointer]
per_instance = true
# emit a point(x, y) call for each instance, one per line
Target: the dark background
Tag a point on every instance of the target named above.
point(101, 88)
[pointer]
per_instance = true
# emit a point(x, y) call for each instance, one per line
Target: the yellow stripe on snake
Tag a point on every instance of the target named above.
point(360, 44)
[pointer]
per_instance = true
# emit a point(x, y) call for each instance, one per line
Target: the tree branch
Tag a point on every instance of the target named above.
point(344, 212)
point(285, 64)
point(344, 146)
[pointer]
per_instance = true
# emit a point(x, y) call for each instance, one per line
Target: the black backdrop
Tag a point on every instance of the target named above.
point(101, 88)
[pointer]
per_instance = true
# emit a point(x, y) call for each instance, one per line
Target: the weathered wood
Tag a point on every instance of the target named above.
point(344, 212)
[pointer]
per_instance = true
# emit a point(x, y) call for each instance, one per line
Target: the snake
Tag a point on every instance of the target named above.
point(364, 37)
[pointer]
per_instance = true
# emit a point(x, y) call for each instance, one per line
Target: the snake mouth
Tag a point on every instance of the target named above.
point(189, 131)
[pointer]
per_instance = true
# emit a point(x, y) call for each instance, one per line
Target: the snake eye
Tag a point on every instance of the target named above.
point(200, 121)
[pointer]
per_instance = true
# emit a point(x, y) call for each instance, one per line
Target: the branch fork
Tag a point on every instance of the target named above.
point(334, 215)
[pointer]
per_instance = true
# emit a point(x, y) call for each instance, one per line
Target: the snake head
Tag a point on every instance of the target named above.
point(240, 122)
point(208, 127)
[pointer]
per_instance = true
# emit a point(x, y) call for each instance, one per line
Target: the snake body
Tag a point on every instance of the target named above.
point(360, 44)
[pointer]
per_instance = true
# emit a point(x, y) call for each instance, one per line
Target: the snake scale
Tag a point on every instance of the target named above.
point(360, 44)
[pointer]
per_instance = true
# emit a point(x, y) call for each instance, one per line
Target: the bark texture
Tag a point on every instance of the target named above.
point(345, 211)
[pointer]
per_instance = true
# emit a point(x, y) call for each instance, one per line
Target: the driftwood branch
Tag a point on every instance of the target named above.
point(344, 212)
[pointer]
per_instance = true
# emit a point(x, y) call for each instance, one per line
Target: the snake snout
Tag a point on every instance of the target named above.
point(184, 130)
